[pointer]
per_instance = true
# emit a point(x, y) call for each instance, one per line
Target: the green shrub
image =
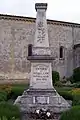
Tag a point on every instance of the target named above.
point(3, 96)
point(70, 79)
point(72, 114)
point(55, 76)
point(76, 100)
point(58, 84)
point(77, 85)
point(76, 74)
point(9, 111)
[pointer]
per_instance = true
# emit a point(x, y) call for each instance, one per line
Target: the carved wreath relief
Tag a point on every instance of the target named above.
point(41, 32)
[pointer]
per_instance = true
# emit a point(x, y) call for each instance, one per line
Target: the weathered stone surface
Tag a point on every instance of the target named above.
point(41, 36)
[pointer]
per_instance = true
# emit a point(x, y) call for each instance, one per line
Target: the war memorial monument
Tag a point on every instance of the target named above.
point(41, 98)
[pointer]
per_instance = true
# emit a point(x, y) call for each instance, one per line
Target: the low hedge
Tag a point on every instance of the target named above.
point(15, 92)
point(66, 95)
point(73, 95)
point(65, 92)
point(72, 114)
point(77, 85)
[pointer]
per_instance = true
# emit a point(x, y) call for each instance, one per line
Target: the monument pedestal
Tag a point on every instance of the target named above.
point(36, 99)
point(41, 93)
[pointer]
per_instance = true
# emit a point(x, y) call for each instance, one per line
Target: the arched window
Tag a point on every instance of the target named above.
point(29, 49)
point(61, 52)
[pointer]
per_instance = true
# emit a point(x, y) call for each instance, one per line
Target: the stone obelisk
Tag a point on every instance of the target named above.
point(41, 71)
point(41, 93)
point(41, 34)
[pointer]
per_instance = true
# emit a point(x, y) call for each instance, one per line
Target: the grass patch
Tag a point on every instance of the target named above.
point(72, 114)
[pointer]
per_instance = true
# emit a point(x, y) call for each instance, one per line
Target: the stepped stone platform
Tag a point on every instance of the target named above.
point(36, 99)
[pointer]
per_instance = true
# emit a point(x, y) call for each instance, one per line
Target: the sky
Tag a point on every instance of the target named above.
point(62, 10)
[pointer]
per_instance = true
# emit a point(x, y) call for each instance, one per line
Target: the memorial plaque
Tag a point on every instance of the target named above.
point(41, 72)
point(41, 100)
point(41, 76)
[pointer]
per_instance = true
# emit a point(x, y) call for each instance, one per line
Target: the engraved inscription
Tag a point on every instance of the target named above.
point(41, 100)
point(41, 72)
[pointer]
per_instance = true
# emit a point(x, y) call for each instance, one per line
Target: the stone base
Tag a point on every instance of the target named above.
point(36, 99)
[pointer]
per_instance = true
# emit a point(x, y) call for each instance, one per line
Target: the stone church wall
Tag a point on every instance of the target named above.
point(77, 47)
point(77, 35)
point(61, 36)
point(14, 39)
point(16, 34)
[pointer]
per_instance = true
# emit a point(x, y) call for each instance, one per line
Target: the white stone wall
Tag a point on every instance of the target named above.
point(15, 35)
